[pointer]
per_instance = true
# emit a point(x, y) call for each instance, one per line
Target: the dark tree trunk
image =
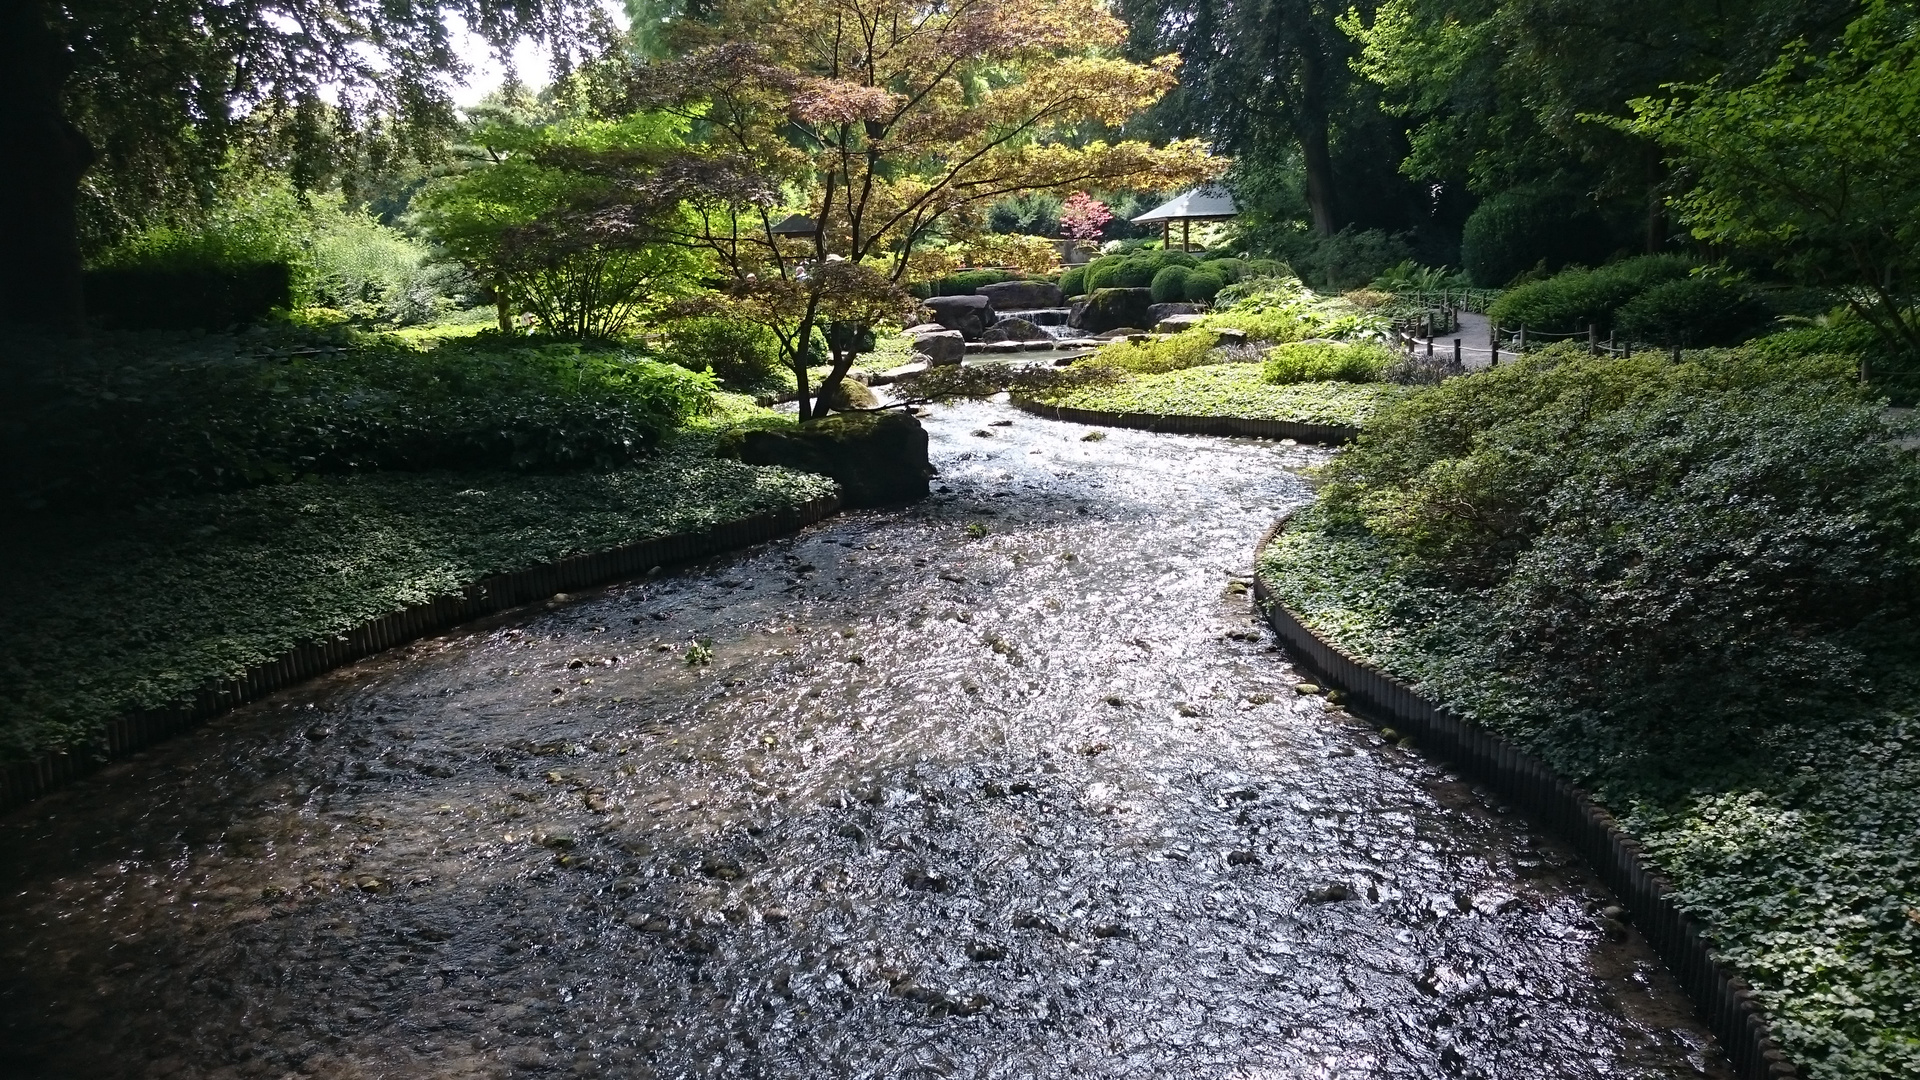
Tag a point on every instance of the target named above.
point(1656, 202)
point(1317, 156)
point(42, 156)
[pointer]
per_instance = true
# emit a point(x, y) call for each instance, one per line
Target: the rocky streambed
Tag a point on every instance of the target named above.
point(1008, 783)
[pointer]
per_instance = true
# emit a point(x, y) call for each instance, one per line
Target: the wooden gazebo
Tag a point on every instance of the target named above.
point(1200, 204)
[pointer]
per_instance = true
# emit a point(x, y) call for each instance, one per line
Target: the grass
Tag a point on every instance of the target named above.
point(1232, 390)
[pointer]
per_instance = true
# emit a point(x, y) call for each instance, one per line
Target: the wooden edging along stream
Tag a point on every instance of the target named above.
point(23, 782)
point(1330, 434)
point(1725, 1000)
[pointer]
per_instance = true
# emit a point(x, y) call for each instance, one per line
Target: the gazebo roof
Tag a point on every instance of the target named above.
point(796, 225)
point(1200, 204)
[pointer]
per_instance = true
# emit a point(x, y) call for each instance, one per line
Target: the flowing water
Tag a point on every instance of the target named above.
point(1008, 783)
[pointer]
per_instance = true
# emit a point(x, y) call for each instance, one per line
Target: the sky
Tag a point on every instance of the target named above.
point(529, 60)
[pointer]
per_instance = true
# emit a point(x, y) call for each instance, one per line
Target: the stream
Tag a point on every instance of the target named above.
point(1007, 783)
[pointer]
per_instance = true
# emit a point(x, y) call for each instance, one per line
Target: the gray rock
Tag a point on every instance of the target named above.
point(1328, 894)
point(923, 328)
point(1173, 324)
point(1014, 295)
point(894, 375)
point(1013, 328)
point(877, 457)
point(940, 346)
point(971, 315)
point(1107, 309)
point(1124, 332)
point(1159, 313)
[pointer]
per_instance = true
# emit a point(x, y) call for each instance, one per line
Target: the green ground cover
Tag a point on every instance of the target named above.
point(186, 507)
point(1692, 589)
point(100, 615)
point(1231, 390)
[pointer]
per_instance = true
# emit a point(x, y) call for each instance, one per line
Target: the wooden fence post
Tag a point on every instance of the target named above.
point(1593, 340)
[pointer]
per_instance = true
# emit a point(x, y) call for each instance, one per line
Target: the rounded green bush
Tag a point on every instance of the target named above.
point(741, 355)
point(1202, 285)
point(1258, 268)
point(1519, 229)
point(1694, 311)
point(1229, 268)
point(1103, 272)
point(1137, 272)
point(1326, 361)
point(1074, 281)
point(1170, 284)
point(1567, 302)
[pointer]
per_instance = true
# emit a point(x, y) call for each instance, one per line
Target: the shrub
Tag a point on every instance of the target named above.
point(1513, 231)
point(1189, 348)
point(1326, 361)
point(964, 282)
point(1568, 301)
point(1229, 268)
point(1170, 284)
point(174, 297)
point(1281, 309)
point(1073, 282)
point(1694, 311)
point(133, 417)
point(1202, 285)
point(379, 274)
point(1103, 271)
point(744, 356)
point(1113, 309)
point(1345, 260)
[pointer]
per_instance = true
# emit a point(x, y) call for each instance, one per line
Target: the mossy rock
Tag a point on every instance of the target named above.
point(877, 457)
point(1110, 309)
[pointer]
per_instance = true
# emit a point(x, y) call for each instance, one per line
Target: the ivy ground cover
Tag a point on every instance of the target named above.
point(1230, 389)
point(137, 609)
point(1691, 589)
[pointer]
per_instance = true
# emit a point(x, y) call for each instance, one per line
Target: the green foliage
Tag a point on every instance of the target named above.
point(378, 274)
point(1170, 284)
point(256, 224)
point(135, 416)
point(1327, 361)
point(1201, 285)
point(1230, 390)
point(1281, 309)
point(1346, 260)
point(964, 282)
point(1409, 276)
point(1033, 213)
point(1814, 164)
point(1568, 301)
point(1692, 589)
point(153, 605)
point(525, 220)
point(744, 356)
point(1073, 282)
point(1694, 311)
point(1516, 230)
point(1134, 271)
point(1189, 348)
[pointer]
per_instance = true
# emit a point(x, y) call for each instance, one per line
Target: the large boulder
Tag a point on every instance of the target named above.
point(939, 345)
point(1014, 328)
point(1160, 313)
point(971, 315)
point(1015, 295)
point(877, 457)
point(1108, 309)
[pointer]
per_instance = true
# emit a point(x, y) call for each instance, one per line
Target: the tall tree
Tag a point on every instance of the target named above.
point(154, 97)
point(886, 124)
point(1264, 79)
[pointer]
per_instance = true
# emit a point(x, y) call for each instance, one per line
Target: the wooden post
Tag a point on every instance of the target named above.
point(1519, 346)
point(1593, 340)
point(1456, 355)
point(1429, 344)
point(1186, 235)
point(1493, 345)
point(1629, 351)
point(1676, 354)
point(1166, 234)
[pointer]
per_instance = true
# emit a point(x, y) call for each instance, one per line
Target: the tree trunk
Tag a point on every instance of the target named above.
point(44, 156)
point(1656, 202)
point(1317, 156)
